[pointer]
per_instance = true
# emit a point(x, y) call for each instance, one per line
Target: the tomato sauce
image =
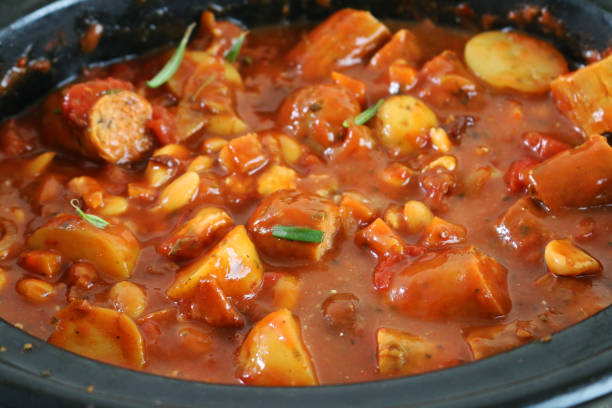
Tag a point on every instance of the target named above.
point(485, 130)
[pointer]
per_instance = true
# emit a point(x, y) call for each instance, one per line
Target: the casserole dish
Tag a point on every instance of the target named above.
point(570, 366)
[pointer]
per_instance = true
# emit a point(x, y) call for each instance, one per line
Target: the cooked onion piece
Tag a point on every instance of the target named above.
point(516, 61)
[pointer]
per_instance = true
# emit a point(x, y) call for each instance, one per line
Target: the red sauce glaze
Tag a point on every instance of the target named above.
point(339, 309)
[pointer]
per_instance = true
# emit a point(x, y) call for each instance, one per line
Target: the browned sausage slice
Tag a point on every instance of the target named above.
point(117, 128)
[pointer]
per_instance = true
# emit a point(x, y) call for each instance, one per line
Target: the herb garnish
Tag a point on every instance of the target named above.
point(111, 91)
point(297, 233)
point(233, 52)
point(174, 62)
point(207, 82)
point(364, 116)
point(90, 218)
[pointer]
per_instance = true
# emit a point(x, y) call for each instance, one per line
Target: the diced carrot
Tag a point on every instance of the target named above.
point(41, 262)
point(402, 74)
point(355, 86)
point(380, 238)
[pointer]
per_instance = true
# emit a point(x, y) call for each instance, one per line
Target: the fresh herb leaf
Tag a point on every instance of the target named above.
point(207, 82)
point(173, 63)
point(248, 60)
point(233, 52)
point(111, 91)
point(90, 218)
point(297, 233)
point(364, 116)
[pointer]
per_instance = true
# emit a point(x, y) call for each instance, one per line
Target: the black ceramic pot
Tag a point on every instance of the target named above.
point(575, 367)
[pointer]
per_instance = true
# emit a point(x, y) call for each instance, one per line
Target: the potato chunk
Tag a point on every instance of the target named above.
point(212, 306)
point(586, 179)
point(299, 209)
point(99, 333)
point(342, 40)
point(487, 341)
point(273, 353)
point(585, 96)
point(205, 85)
point(403, 123)
point(189, 239)
point(400, 353)
point(276, 178)
point(456, 283)
point(233, 262)
point(516, 61)
point(200, 63)
point(113, 251)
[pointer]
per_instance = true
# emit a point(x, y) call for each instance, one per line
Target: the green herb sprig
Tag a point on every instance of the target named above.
point(232, 55)
point(297, 233)
point(207, 82)
point(364, 116)
point(174, 62)
point(90, 218)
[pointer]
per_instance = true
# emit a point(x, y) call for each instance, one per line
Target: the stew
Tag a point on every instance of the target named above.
point(302, 206)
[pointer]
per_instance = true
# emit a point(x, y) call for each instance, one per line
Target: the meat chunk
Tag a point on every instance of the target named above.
point(341, 311)
point(316, 113)
point(273, 353)
point(457, 283)
point(487, 341)
point(233, 262)
point(403, 45)
point(400, 353)
point(101, 119)
point(113, 251)
point(586, 176)
point(99, 333)
point(521, 228)
point(342, 40)
point(244, 155)
point(299, 209)
point(585, 96)
point(444, 81)
point(117, 127)
point(190, 238)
